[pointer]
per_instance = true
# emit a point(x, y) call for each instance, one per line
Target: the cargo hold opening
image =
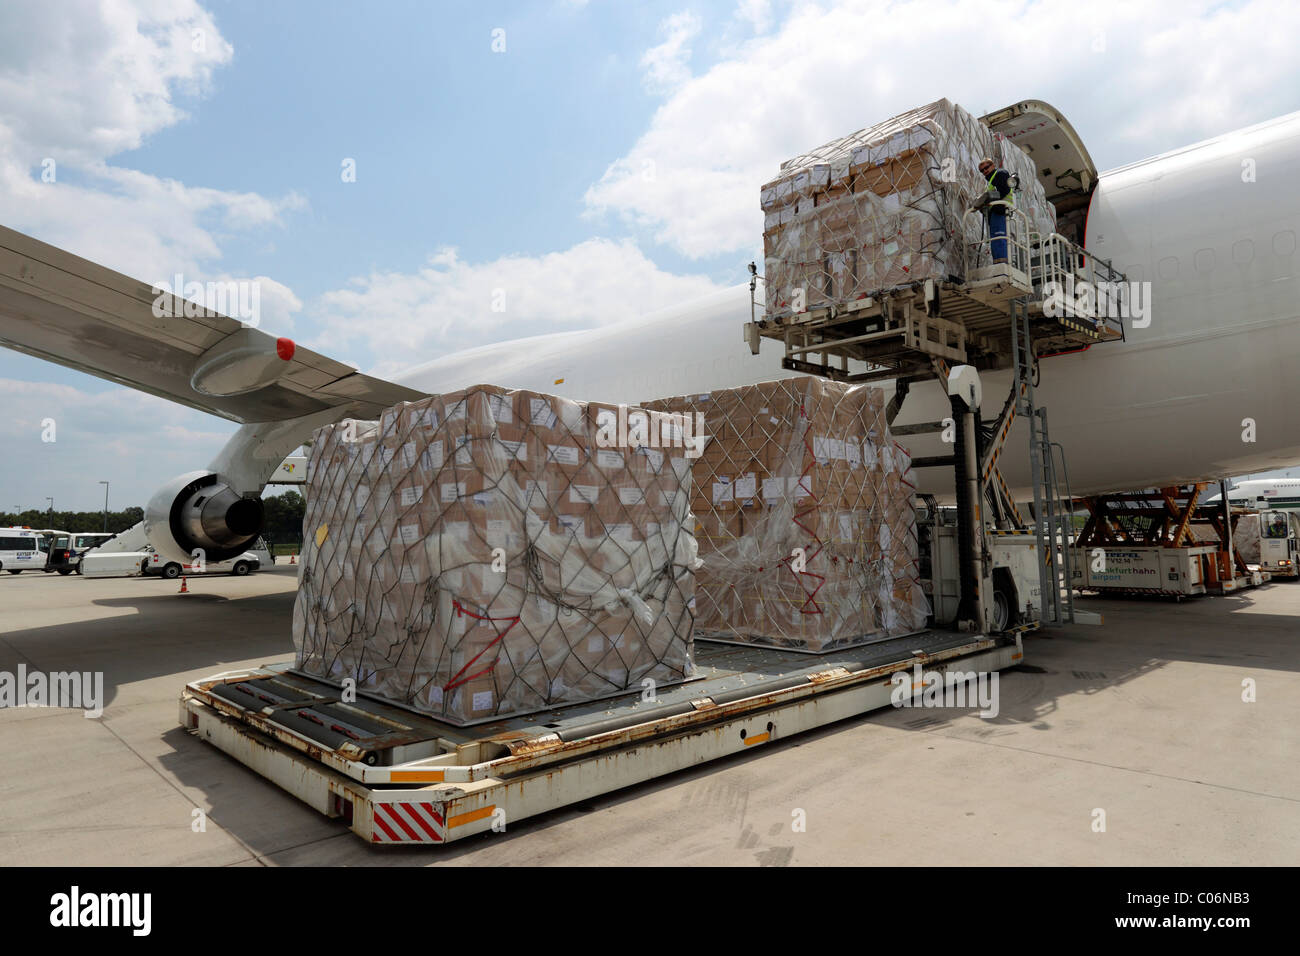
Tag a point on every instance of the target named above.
point(1064, 167)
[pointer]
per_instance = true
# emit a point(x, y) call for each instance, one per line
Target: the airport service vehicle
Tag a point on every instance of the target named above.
point(67, 550)
point(1162, 541)
point(1179, 572)
point(21, 549)
point(396, 777)
point(60, 554)
point(1270, 540)
point(240, 565)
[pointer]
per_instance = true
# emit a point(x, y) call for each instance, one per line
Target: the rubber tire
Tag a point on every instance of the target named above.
point(77, 568)
point(171, 571)
point(1001, 611)
point(1004, 598)
point(19, 571)
point(240, 569)
point(64, 570)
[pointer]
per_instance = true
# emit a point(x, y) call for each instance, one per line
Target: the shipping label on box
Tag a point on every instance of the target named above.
point(563, 454)
point(584, 494)
point(541, 413)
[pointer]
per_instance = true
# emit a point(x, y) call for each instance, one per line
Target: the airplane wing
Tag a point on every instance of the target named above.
point(68, 310)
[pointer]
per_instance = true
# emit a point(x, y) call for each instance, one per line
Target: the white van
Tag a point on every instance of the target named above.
point(21, 549)
point(239, 565)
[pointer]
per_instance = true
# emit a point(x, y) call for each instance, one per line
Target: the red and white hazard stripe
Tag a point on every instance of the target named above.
point(407, 823)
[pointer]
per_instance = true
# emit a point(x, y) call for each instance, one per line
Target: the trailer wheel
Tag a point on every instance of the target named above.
point(171, 570)
point(1006, 609)
point(65, 570)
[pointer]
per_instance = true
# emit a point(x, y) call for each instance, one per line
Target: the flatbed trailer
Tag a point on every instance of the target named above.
point(394, 776)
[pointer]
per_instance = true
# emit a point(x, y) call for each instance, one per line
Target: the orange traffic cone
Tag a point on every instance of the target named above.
point(293, 558)
point(184, 588)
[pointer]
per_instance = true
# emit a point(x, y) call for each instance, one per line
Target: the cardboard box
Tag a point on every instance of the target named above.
point(444, 534)
point(799, 564)
point(883, 207)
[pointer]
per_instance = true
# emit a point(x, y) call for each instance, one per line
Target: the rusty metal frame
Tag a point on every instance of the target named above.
point(535, 774)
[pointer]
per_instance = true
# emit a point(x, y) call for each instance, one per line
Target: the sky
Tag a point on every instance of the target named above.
point(519, 167)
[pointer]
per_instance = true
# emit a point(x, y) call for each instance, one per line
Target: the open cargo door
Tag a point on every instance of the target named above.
point(1064, 167)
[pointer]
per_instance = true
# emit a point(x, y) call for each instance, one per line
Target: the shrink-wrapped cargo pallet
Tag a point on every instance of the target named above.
point(804, 515)
point(481, 554)
point(884, 208)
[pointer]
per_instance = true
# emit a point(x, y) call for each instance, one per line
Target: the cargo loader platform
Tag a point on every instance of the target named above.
point(395, 776)
point(902, 331)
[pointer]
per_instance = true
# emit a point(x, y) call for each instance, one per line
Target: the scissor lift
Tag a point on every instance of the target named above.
point(1153, 534)
point(1000, 315)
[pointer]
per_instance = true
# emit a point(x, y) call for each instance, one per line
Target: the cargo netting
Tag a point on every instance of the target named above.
point(805, 517)
point(885, 208)
point(490, 552)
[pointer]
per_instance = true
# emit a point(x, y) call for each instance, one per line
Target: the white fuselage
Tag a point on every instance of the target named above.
point(1264, 493)
point(1210, 388)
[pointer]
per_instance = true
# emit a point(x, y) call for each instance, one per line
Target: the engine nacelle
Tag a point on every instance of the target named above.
point(199, 510)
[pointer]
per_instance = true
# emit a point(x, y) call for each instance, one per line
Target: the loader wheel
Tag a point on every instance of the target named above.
point(1006, 612)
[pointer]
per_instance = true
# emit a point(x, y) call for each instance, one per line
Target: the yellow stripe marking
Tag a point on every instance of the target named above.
point(462, 818)
point(417, 776)
point(756, 739)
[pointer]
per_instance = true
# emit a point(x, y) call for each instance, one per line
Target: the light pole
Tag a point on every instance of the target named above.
point(51, 501)
point(105, 484)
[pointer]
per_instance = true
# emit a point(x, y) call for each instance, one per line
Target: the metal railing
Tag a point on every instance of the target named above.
point(1073, 282)
point(1020, 241)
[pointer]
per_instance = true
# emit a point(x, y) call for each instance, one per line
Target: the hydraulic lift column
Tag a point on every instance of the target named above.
point(964, 394)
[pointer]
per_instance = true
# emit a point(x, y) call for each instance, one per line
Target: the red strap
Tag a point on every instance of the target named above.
point(457, 679)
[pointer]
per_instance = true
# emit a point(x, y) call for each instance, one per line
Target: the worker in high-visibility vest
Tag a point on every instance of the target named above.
point(998, 200)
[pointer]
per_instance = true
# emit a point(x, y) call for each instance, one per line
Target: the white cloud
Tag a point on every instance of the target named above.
point(1134, 79)
point(757, 13)
point(84, 82)
point(450, 304)
point(133, 440)
point(665, 64)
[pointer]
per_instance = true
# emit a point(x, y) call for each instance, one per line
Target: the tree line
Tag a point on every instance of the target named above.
point(283, 519)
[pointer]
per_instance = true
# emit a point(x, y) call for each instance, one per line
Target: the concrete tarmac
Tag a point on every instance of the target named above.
point(1139, 723)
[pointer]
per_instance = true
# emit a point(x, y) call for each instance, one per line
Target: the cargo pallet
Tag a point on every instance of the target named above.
point(394, 776)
